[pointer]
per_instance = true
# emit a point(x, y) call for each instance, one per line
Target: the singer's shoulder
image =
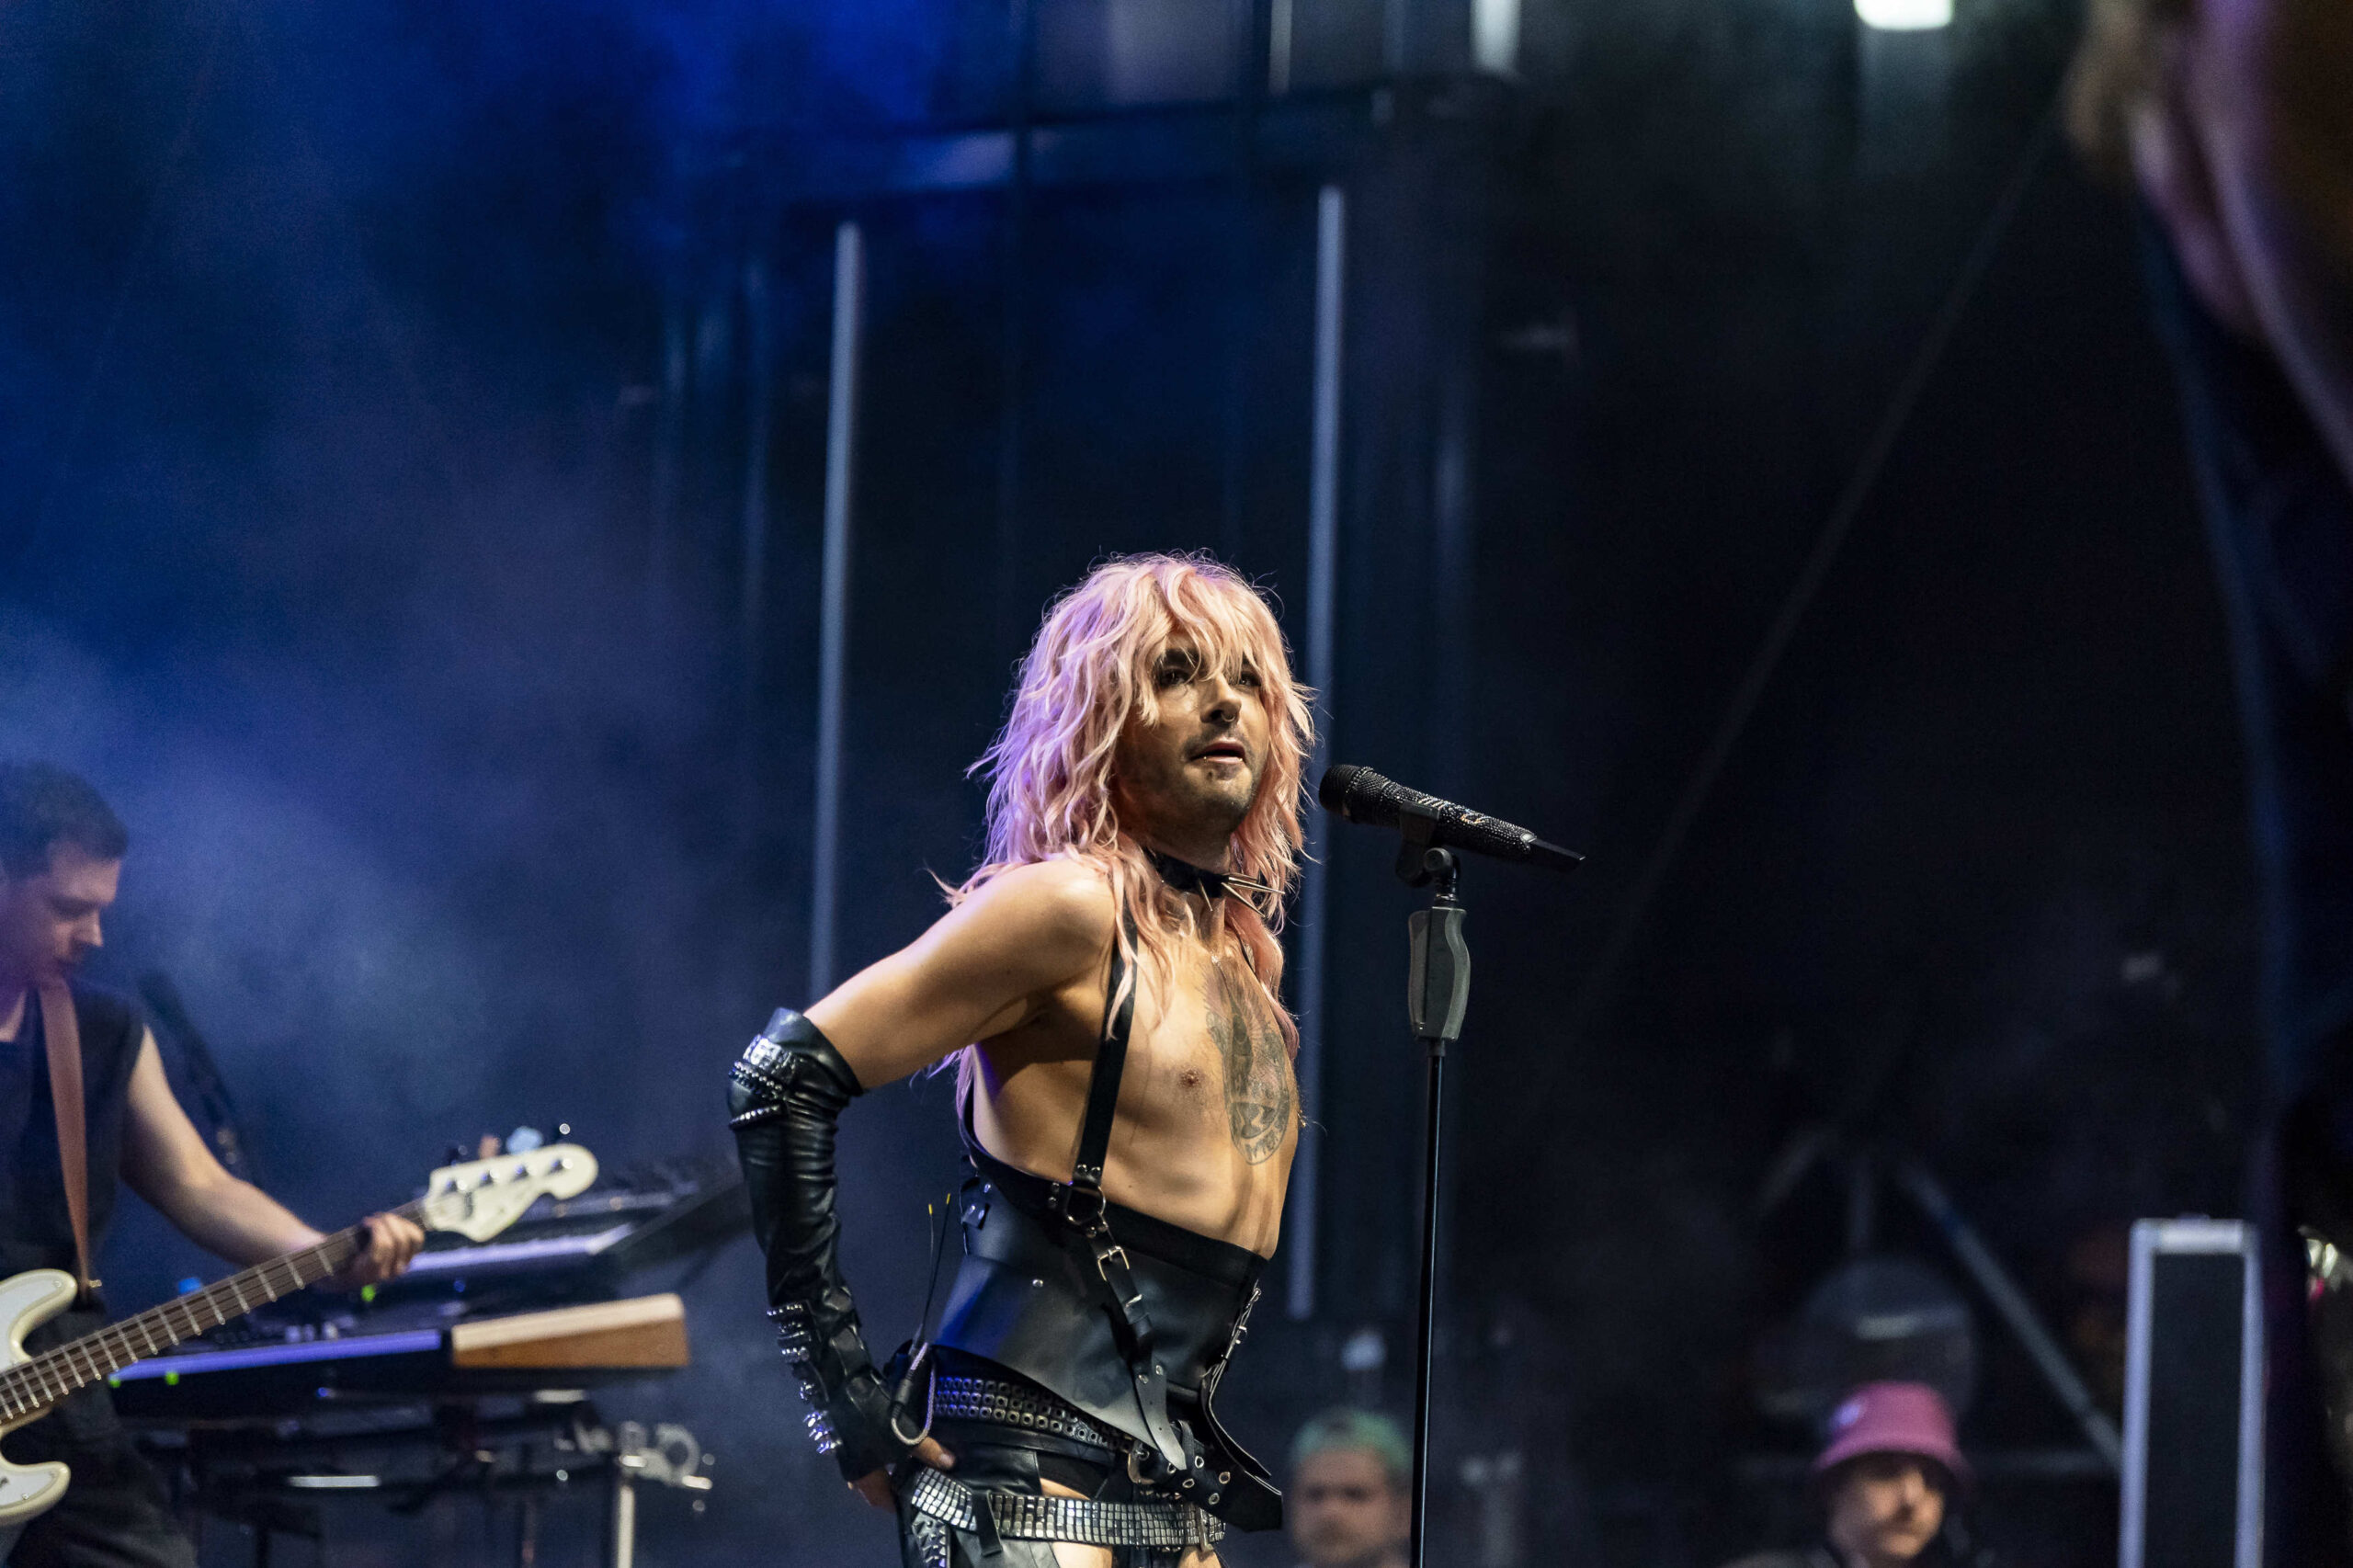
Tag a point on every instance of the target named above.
point(1058, 903)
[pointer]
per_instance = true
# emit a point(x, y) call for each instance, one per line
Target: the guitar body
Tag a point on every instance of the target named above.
point(28, 1301)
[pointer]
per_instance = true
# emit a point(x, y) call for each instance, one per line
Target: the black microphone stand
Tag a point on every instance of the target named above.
point(1437, 988)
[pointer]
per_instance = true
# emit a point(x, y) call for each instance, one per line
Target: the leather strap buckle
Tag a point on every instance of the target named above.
point(1103, 1258)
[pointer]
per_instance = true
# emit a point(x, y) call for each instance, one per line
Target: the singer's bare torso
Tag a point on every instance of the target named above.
point(1208, 1113)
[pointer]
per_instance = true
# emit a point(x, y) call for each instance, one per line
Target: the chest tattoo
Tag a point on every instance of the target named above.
point(1259, 1106)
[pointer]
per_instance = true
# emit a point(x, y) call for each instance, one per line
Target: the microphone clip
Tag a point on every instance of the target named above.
point(1420, 860)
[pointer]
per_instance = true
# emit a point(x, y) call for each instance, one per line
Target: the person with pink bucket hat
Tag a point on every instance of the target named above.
point(1884, 1480)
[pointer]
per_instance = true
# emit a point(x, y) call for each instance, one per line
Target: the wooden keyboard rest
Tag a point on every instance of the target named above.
point(647, 1331)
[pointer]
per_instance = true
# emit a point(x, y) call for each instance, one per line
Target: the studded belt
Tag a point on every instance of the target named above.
point(1027, 1515)
point(1003, 1403)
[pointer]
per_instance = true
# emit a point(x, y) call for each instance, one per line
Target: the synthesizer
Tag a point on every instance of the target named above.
point(570, 1348)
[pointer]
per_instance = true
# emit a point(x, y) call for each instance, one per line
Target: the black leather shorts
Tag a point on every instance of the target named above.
point(1010, 1460)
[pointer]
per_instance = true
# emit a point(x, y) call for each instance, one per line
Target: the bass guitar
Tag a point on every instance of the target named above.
point(477, 1200)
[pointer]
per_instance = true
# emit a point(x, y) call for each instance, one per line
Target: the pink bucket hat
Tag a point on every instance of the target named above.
point(1893, 1418)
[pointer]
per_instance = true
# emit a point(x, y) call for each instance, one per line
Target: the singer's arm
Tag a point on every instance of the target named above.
point(981, 970)
point(985, 967)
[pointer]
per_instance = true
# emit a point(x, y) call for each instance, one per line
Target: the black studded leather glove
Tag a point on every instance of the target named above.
point(783, 1098)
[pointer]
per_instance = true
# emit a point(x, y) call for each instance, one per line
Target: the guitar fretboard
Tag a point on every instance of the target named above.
point(35, 1385)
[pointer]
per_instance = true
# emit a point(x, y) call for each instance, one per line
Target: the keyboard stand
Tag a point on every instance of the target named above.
point(278, 1480)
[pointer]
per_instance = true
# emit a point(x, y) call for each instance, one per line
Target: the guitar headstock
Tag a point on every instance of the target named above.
point(482, 1198)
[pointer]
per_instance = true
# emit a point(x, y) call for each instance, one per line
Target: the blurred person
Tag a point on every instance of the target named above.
point(60, 864)
point(1350, 1504)
point(1107, 985)
point(1885, 1482)
point(2232, 122)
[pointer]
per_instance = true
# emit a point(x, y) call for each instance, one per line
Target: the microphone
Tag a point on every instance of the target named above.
point(1363, 796)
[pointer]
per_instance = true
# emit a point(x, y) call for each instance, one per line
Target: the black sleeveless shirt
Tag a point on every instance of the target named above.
point(34, 1232)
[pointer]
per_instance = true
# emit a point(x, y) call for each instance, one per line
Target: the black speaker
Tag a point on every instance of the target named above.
point(2193, 1398)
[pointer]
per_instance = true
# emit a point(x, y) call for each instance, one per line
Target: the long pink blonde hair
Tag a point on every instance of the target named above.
point(1049, 769)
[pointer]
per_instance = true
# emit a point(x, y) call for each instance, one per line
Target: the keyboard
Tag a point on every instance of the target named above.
point(568, 1347)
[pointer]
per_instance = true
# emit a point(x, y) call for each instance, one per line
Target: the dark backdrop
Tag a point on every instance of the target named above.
point(369, 530)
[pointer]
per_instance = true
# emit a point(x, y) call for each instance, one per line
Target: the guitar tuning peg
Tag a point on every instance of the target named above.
point(456, 1156)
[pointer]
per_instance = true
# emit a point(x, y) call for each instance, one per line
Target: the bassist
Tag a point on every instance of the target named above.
point(60, 862)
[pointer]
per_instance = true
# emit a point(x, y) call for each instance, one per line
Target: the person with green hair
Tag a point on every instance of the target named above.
point(1350, 1500)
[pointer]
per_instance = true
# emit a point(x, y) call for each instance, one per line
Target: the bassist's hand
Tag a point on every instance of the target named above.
point(875, 1485)
point(392, 1241)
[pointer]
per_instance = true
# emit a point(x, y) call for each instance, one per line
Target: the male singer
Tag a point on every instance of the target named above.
point(1107, 981)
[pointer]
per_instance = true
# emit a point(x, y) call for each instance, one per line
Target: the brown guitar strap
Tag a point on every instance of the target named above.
point(61, 1032)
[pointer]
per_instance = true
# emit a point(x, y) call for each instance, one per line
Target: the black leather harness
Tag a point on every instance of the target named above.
point(1129, 1318)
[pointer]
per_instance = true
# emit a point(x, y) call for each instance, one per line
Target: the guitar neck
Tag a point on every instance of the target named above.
point(38, 1383)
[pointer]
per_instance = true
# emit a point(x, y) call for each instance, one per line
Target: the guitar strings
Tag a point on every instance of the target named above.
point(44, 1379)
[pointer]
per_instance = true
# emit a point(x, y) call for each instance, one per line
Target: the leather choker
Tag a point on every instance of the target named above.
point(1186, 877)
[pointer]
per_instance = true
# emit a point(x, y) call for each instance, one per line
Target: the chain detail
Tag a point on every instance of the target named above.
point(760, 1069)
